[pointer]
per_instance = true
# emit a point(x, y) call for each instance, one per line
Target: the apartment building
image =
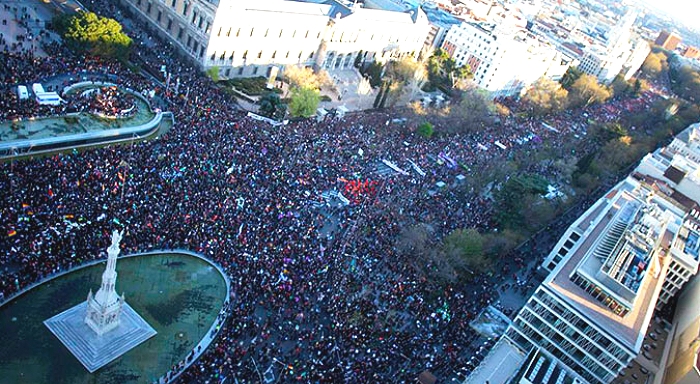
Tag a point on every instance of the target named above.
point(504, 61)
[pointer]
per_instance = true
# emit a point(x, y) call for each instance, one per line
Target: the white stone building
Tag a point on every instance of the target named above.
point(504, 60)
point(250, 37)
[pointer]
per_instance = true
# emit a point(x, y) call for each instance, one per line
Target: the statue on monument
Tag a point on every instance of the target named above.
point(105, 306)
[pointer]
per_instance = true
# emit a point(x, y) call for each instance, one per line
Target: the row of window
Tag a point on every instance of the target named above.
point(582, 325)
point(597, 293)
point(564, 250)
point(529, 334)
point(539, 316)
point(225, 56)
point(336, 36)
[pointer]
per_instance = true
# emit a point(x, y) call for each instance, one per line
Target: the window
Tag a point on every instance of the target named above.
point(260, 55)
point(255, 70)
point(223, 56)
point(172, 3)
point(219, 34)
point(170, 24)
point(238, 33)
point(240, 70)
point(299, 57)
point(267, 31)
point(138, 2)
point(294, 33)
point(180, 32)
point(201, 21)
point(148, 9)
point(319, 35)
point(189, 41)
point(160, 16)
point(245, 55)
point(213, 55)
point(311, 55)
point(232, 53)
point(281, 30)
point(251, 32)
point(307, 34)
point(207, 28)
point(194, 17)
point(287, 55)
point(228, 72)
point(274, 54)
point(201, 51)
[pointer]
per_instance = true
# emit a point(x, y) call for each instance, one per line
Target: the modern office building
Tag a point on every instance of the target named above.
point(251, 37)
point(593, 310)
point(504, 61)
point(683, 364)
point(668, 40)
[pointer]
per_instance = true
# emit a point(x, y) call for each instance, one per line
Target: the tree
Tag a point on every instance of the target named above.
point(95, 35)
point(442, 70)
point(464, 250)
point(474, 110)
point(272, 106)
point(373, 72)
point(655, 64)
point(459, 77)
point(546, 96)
point(298, 77)
point(425, 129)
point(586, 91)
point(213, 73)
point(572, 74)
point(358, 59)
point(304, 101)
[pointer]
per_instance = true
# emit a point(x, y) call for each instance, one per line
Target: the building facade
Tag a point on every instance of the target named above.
point(250, 37)
point(504, 61)
point(683, 364)
point(668, 40)
point(607, 272)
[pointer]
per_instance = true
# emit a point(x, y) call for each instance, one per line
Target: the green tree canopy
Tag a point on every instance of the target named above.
point(425, 130)
point(443, 71)
point(271, 106)
point(304, 101)
point(464, 249)
point(96, 35)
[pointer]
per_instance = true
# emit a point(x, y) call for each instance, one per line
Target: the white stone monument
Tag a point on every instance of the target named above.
point(105, 307)
point(104, 327)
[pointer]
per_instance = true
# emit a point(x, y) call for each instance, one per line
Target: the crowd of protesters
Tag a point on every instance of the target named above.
point(319, 293)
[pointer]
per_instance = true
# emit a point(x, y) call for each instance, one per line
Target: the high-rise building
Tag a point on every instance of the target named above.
point(252, 37)
point(683, 364)
point(621, 52)
point(593, 310)
point(668, 40)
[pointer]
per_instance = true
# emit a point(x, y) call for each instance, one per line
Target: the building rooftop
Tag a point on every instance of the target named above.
point(291, 7)
point(540, 368)
point(502, 363)
point(619, 258)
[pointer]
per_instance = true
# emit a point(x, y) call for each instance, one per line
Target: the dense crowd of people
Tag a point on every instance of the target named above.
point(318, 294)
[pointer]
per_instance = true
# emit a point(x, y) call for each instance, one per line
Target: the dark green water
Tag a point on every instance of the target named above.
point(178, 295)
